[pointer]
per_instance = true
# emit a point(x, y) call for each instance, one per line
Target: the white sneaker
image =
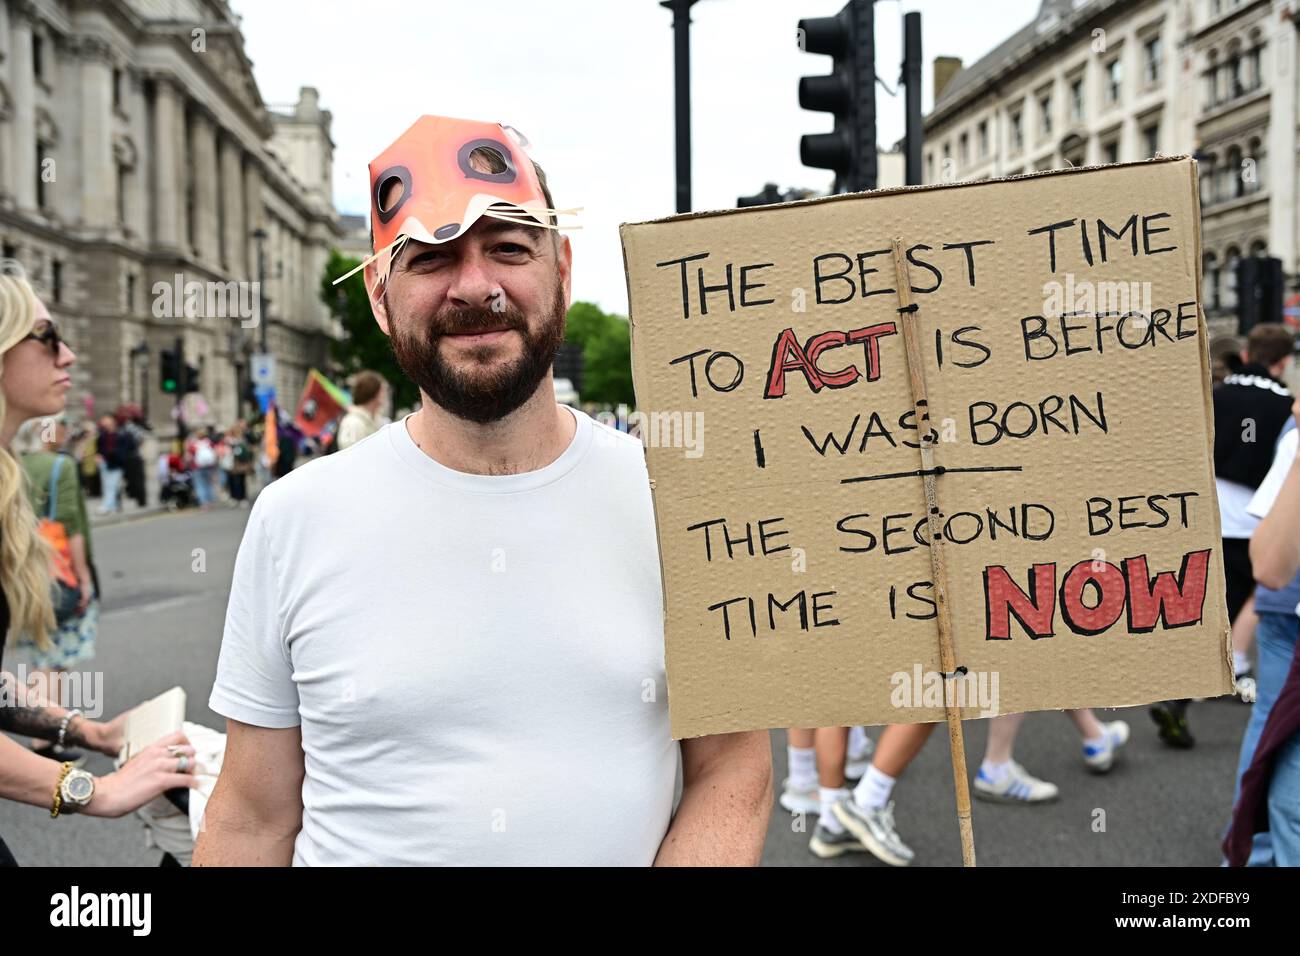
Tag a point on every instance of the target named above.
point(828, 845)
point(799, 800)
point(1015, 786)
point(1101, 758)
point(874, 830)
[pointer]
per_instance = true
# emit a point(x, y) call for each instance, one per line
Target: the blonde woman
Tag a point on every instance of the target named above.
point(34, 382)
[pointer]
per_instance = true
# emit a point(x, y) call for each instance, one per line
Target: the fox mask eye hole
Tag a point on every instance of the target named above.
point(391, 193)
point(392, 190)
point(487, 159)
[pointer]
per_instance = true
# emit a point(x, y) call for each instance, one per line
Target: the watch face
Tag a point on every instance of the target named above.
point(79, 787)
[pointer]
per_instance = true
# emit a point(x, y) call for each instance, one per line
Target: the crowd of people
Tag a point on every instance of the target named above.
point(444, 702)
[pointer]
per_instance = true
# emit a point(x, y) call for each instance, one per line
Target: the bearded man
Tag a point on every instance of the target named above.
point(444, 645)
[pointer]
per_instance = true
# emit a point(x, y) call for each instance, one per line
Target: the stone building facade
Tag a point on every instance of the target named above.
point(1100, 81)
point(137, 162)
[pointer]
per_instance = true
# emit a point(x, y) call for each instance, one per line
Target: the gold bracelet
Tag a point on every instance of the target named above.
point(58, 789)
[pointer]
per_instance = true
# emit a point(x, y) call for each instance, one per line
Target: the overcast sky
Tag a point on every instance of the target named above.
point(590, 83)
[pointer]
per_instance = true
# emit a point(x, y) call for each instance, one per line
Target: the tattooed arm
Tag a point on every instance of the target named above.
point(22, 711)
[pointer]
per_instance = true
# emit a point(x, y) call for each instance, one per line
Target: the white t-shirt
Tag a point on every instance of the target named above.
point(1234, 500)
point(476, 661)
point(1271, 486)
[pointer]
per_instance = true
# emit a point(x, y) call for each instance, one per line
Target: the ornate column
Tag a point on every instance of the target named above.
point(253, 217)
point(23, 14)
point(204, 167)
point(235, 241)
point(98, 168)
point(168, 199)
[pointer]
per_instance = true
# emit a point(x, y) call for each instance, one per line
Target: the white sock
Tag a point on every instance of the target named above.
point(873, 790)
point(995, 772)
point(829, 797)
point(803, 767)
point(1240, 663)
point(857, 741)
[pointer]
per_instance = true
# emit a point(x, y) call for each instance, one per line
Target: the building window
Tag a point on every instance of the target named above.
point(1209, 180)
point(130, 291)
point(963, 149)
point(1152, 54)
point(983, 132)
point(1232, 86)
point(56, 280)
point(1076, 99)
point(123, 182)
point(1114, 77)
point(1017, 131)
point(929, 167)
point(1228, 283)
point(117, 89)
point(10, 251)
point(1252, 173)
point(1045, 115)
point(1110, 151)
point(1210, 279)
point(38, 56)
point(1151, 139)
point(1235, 171)
point(40, 178)
point(1254, 76)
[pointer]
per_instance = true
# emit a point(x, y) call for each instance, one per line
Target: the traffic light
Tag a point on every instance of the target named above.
point(171, 375)
point(1259, 292)
point(770, 195)
point(191, 379)
point(848, 92)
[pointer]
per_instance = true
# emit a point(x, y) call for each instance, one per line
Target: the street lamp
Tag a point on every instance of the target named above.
point(259, 236)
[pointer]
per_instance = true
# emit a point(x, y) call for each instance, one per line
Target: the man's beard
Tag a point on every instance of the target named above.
point(481, 396)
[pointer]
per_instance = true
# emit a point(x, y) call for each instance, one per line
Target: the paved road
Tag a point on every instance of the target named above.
point(166, 580)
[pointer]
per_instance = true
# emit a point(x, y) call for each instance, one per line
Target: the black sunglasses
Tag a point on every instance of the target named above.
point(48, 336)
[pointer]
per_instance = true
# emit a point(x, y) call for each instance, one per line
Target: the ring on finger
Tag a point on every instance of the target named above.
point(184, 763)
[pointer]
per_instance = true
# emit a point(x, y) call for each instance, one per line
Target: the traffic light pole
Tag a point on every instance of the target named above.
point(915, 132)
point(682, 77)
point(180, 390)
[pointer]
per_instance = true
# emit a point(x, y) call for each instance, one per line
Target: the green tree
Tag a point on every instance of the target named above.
point(606, 344)
point(364, 344)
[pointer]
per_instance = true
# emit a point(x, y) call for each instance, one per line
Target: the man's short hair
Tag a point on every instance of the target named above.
point(365, 386)
point(1268, 343)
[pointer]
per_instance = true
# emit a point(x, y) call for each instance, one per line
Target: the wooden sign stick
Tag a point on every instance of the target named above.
point(907, 315)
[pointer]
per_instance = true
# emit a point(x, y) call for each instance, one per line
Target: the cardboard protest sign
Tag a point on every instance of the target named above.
point(1064, 358)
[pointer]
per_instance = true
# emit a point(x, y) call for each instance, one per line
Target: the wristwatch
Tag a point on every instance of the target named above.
point(77, 790)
